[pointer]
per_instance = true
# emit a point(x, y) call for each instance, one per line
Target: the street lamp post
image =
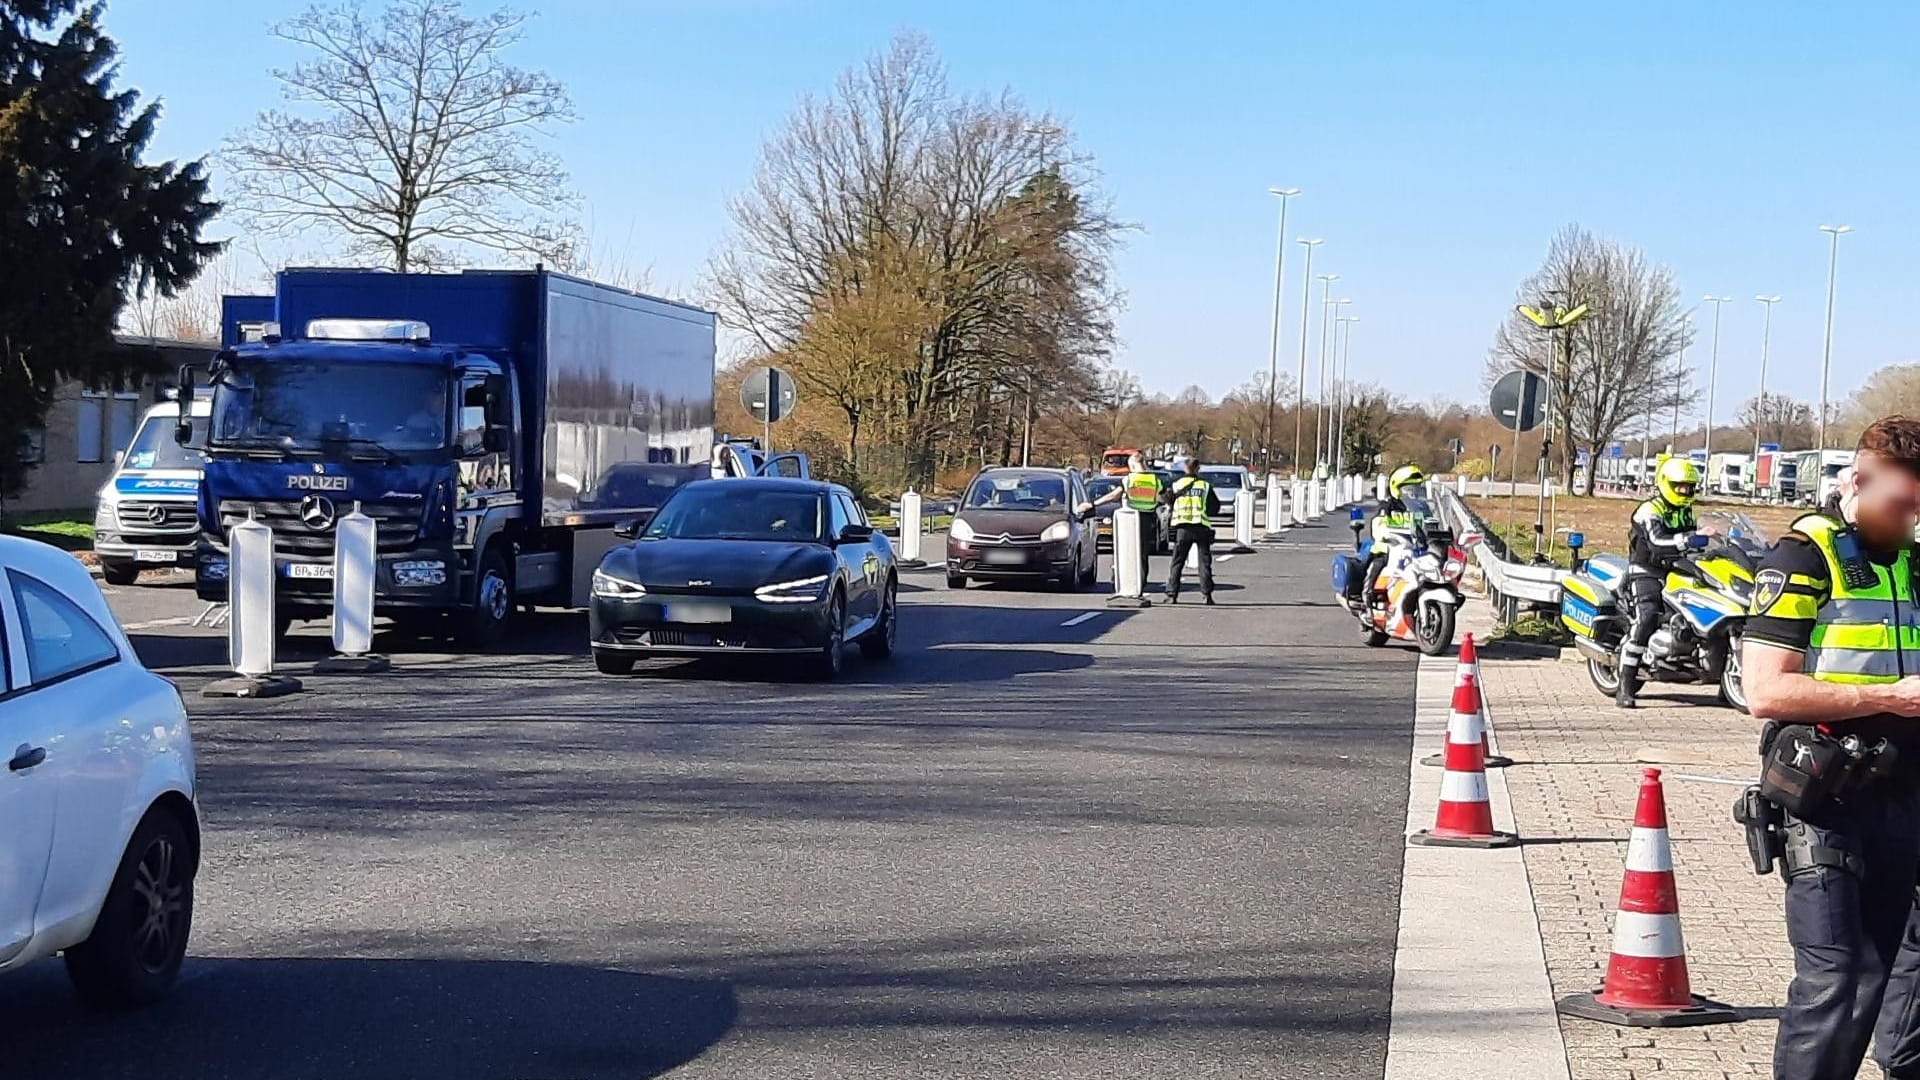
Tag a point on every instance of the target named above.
point(1826, 348)
point(1320, 381)
point(1766, 343)
point(1713, 376)
point(1300, 388)
point(1680, 382)
point(1273, 345)
point(1345, 391)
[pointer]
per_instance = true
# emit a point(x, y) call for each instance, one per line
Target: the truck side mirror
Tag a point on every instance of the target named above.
point(183, 427)
point(496, 438)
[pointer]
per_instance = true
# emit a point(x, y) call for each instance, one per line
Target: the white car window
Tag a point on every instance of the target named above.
point(61, 639)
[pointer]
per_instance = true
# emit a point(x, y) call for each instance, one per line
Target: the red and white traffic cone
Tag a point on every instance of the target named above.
point(1647, 983)
point(1468, 670)
point(1465, 817)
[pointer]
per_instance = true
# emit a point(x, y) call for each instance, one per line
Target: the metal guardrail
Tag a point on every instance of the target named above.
point(1510, 584)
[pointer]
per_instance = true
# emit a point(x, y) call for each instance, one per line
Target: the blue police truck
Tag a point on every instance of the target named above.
point(496, 425)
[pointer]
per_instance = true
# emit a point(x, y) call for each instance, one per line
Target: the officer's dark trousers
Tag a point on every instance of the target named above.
point(1186, 537)
point(1643, 595)
point(1856, 944)
point(1149, 532)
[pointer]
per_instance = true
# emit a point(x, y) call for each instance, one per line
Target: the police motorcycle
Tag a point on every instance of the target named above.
point(1704, 608)
point(1417, 596)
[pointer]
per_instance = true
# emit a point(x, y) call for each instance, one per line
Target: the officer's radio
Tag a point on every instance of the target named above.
point(1855, 569)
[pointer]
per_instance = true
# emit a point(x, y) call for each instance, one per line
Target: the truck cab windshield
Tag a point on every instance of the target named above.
point(312, 405)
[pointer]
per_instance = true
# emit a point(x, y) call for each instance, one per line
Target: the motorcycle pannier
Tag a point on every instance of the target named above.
point(1588, 595)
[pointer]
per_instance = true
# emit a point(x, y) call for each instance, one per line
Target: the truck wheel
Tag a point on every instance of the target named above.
point(119, 573)
point(492, 611)
point(139, 938)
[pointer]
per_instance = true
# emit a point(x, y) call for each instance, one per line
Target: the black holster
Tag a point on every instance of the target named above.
point(1802, 769)
point(1766, 829)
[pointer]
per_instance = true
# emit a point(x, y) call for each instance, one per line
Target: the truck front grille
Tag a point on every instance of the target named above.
point(396, 526)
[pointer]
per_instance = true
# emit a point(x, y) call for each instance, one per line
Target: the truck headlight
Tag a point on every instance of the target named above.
point(612, 588)
point(798, 591)
point(1056, 532)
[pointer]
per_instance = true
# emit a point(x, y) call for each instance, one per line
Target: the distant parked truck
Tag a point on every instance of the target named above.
point(1818, 474)
point(1774, 473)
point(496, 426)
point(1727, 474)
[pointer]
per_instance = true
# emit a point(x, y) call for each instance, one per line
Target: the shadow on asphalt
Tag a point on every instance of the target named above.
point(327, 1019)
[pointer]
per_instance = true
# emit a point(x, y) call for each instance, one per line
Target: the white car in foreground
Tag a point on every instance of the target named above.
point(99, 832)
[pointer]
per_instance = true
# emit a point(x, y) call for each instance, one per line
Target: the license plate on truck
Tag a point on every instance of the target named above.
point(310, 571)
point(156, 555)
point(700, 614)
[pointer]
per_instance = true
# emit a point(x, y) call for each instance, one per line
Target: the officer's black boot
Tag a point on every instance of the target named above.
point(1629, 686)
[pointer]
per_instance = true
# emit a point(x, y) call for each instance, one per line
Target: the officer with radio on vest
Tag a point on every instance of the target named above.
point(1142, 490)
point(1656, 539)
point(1195, 505)
point(1831, 662)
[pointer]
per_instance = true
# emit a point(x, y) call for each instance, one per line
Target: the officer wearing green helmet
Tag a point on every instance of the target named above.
point(1394, 522)
point(1656, 540)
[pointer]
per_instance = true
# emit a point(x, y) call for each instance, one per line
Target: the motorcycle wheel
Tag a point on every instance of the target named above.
point(1606, 677)
point(1372, 637)
point(1434, 634)
point(1732, 691)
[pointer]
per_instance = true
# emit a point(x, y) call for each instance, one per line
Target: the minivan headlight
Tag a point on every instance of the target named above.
point(960, 530)
point(1056, 532)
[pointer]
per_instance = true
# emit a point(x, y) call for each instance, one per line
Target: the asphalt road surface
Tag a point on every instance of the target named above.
point(1161, 843)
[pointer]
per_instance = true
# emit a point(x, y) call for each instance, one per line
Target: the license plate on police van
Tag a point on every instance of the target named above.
point(156, 555)
point(311, 571)
point(699, 613)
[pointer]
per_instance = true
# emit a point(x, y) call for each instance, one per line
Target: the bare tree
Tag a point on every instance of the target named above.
point(1621, 363)
point(410, 136)
point(1779, 419)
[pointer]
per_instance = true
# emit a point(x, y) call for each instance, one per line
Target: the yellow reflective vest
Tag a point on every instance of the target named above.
point(1143, 491)
point(1190, 501)
point(1861, 633)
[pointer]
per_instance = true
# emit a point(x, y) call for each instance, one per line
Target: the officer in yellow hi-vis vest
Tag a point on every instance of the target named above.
point(1142, 491)
point(1831, 662)
point(1194, 507)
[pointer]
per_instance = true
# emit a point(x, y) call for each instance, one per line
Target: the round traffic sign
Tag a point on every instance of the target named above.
point(768, 394)
point(1518, 400)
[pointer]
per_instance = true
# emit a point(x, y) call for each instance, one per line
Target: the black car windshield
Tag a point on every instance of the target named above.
point(1221, 478)
point(306, 404)
point(729, 511)
point(1017, 491)
point(153, 446)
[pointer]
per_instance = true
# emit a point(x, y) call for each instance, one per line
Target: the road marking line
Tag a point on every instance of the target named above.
point(1226, 558)
point(1085, 616)
point(154, 624)
point(1471, 998)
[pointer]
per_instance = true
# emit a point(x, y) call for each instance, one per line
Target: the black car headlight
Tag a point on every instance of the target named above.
point(608, 587)
point(797, 591)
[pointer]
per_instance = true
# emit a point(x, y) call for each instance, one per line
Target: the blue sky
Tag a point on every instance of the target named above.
point(1438, 147)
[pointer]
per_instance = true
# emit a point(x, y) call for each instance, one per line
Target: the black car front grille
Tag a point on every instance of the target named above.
point(396, 526)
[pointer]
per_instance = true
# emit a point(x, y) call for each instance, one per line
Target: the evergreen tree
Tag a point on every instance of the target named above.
point(83, 221)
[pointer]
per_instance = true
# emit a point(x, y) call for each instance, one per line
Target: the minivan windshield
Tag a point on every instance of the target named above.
point(725, 511)
point(153, 446)
point(307, 404)
point(1017, 491)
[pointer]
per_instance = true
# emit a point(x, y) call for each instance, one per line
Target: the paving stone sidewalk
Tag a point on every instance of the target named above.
point(1574, 784)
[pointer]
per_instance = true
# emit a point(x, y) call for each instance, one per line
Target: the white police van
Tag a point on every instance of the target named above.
point(146, 516)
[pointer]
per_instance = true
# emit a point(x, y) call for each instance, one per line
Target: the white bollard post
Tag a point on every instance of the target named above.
point(1460, 483)
point(1275, 505)
point(913, 526)
point(1380, 486)
point(1128, 589)
point(252, 626)
point(1333, 493)
point(1297, 502)
point(355, 563)
point(1243, 522)
point(1313, 499)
